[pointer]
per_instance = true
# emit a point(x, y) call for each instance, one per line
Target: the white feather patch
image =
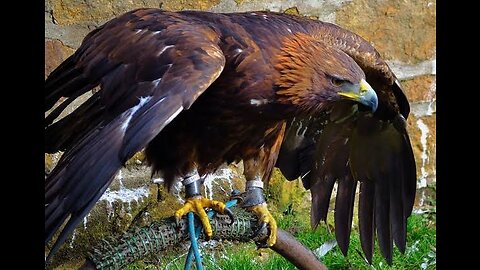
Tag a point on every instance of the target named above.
point(130, 112)
point(163, 49)
point(173, 115)
point(156, 82)
point(258, 102)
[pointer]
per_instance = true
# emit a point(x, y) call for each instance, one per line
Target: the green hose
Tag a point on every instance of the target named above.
point(137, 243)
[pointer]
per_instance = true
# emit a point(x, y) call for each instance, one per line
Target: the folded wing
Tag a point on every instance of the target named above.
point(147, 73)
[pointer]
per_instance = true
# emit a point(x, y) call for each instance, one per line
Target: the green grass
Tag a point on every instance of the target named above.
point(421, 241)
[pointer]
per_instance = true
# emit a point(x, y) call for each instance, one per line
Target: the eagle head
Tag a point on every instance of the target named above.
point(315, 75)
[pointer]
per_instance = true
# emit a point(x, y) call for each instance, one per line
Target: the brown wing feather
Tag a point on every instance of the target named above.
point(136, 104)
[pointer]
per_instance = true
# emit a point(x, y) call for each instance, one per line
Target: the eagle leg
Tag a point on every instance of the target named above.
point(253, 200)
point(196, 203)
point(257, 170)
point(266, 220)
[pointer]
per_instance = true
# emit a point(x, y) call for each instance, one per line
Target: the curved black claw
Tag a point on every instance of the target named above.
point(229, 213)
point(177, 222)
point(237, 195)
point(259, 235)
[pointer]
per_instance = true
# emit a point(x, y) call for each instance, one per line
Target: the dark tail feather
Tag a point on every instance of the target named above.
point(321, 192)
point(403, 188)
point(410, 181)
point(397, 213)
point(344, 212)
point(382, 217)
point(408, 162)
point(366, 216)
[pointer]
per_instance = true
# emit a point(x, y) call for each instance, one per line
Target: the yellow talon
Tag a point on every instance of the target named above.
point(264, 216)
point(197, 204)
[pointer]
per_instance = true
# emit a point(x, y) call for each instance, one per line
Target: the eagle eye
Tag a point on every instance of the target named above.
point(337, 81)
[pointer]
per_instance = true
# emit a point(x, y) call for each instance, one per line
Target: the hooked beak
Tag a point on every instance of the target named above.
point(365, 95)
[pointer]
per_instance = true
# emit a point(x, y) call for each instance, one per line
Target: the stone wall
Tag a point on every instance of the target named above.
point(402, 31)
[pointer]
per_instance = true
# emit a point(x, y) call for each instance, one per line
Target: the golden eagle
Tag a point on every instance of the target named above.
point(198, 89)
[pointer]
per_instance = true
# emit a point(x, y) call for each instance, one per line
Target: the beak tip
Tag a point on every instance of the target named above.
point(366, 96)
point(374, 105)
point(370, 98)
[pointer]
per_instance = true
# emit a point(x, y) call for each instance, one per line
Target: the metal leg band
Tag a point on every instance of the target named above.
point(253, 196)
point(193, 188)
